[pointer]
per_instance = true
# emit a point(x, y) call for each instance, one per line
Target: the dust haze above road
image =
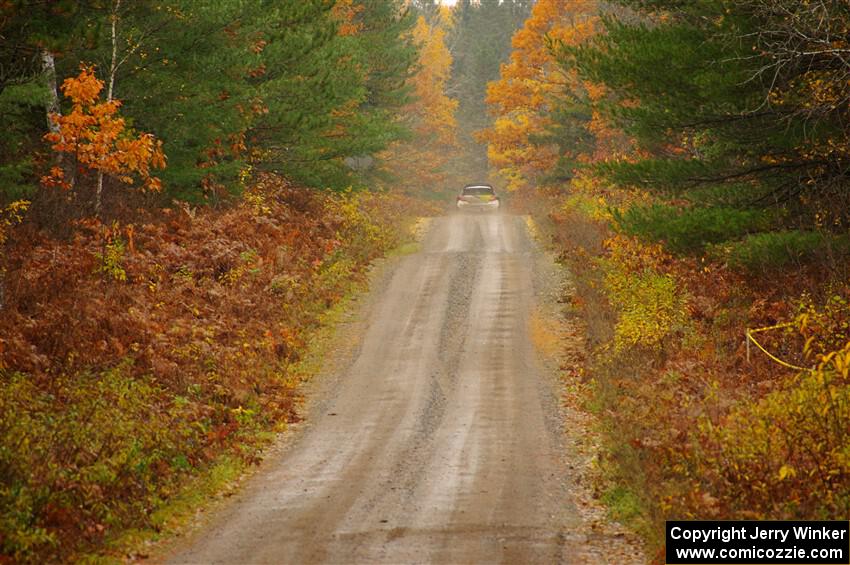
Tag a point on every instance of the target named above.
point(439, 440)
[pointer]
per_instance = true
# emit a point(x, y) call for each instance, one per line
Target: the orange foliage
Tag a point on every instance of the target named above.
point(273, 251)
point(99, 139)
point(610, 143)
point(345, 11)
point(519, 100)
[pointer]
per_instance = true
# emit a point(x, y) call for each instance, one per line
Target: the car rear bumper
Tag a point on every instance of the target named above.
point(479, 206)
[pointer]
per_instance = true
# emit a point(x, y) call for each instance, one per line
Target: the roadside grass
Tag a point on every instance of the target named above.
point(221, 478)
point(317, 344)
point(408, 248)
point(618, 479)
point(623, 504)
point(559, 333)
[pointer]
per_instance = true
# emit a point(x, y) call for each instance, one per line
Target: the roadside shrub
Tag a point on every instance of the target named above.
point(787, 455)
point(825, 326)
point(84, 453)
point(649, 306)
point(649, 309)
point(688, 230)
point(692, 426)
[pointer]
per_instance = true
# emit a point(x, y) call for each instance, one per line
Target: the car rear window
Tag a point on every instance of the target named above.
point(477, 190)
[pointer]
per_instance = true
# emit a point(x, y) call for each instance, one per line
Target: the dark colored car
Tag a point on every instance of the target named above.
point(478, 197)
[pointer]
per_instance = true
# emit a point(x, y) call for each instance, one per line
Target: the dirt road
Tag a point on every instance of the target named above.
point(440, 439)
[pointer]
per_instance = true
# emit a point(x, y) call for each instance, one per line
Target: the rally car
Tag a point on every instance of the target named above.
point(478, 197)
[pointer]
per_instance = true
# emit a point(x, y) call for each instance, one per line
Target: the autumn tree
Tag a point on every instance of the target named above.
point(99, 141)
point(521, 101)
point(435, 109)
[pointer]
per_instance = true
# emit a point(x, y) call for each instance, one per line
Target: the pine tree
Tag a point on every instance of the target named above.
point(734, 103)
point(737, 112)
point(333, 92)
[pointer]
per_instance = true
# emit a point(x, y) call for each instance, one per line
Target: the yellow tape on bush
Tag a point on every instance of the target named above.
point(749, 333)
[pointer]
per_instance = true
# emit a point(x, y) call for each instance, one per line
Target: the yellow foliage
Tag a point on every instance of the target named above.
point(431, 115)
point(786, 455)
point(256, 200)
point(357, 221)
point(10, 215)
point(112, 255)
point(826, 327)
point(649, 305)
point(436, 110)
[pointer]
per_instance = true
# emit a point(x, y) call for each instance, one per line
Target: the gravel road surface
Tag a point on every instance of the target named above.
point(439, 439)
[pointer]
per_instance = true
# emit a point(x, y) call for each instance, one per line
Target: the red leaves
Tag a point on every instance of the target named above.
point(198, 285)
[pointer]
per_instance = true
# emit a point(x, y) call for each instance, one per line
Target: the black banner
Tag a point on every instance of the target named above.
point(758, 542)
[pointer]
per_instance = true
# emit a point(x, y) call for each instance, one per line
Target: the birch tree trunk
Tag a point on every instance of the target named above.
point(51, 107)
point(48, 65)
point(113, 69)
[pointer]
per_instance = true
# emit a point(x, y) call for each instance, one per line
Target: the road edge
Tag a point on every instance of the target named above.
point(558, 335)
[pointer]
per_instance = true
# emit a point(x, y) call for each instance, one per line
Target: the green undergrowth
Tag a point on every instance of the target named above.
point(769, 253)
point(408, 248)
point(624, 505)
point(174, 515)
point(689, 230)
